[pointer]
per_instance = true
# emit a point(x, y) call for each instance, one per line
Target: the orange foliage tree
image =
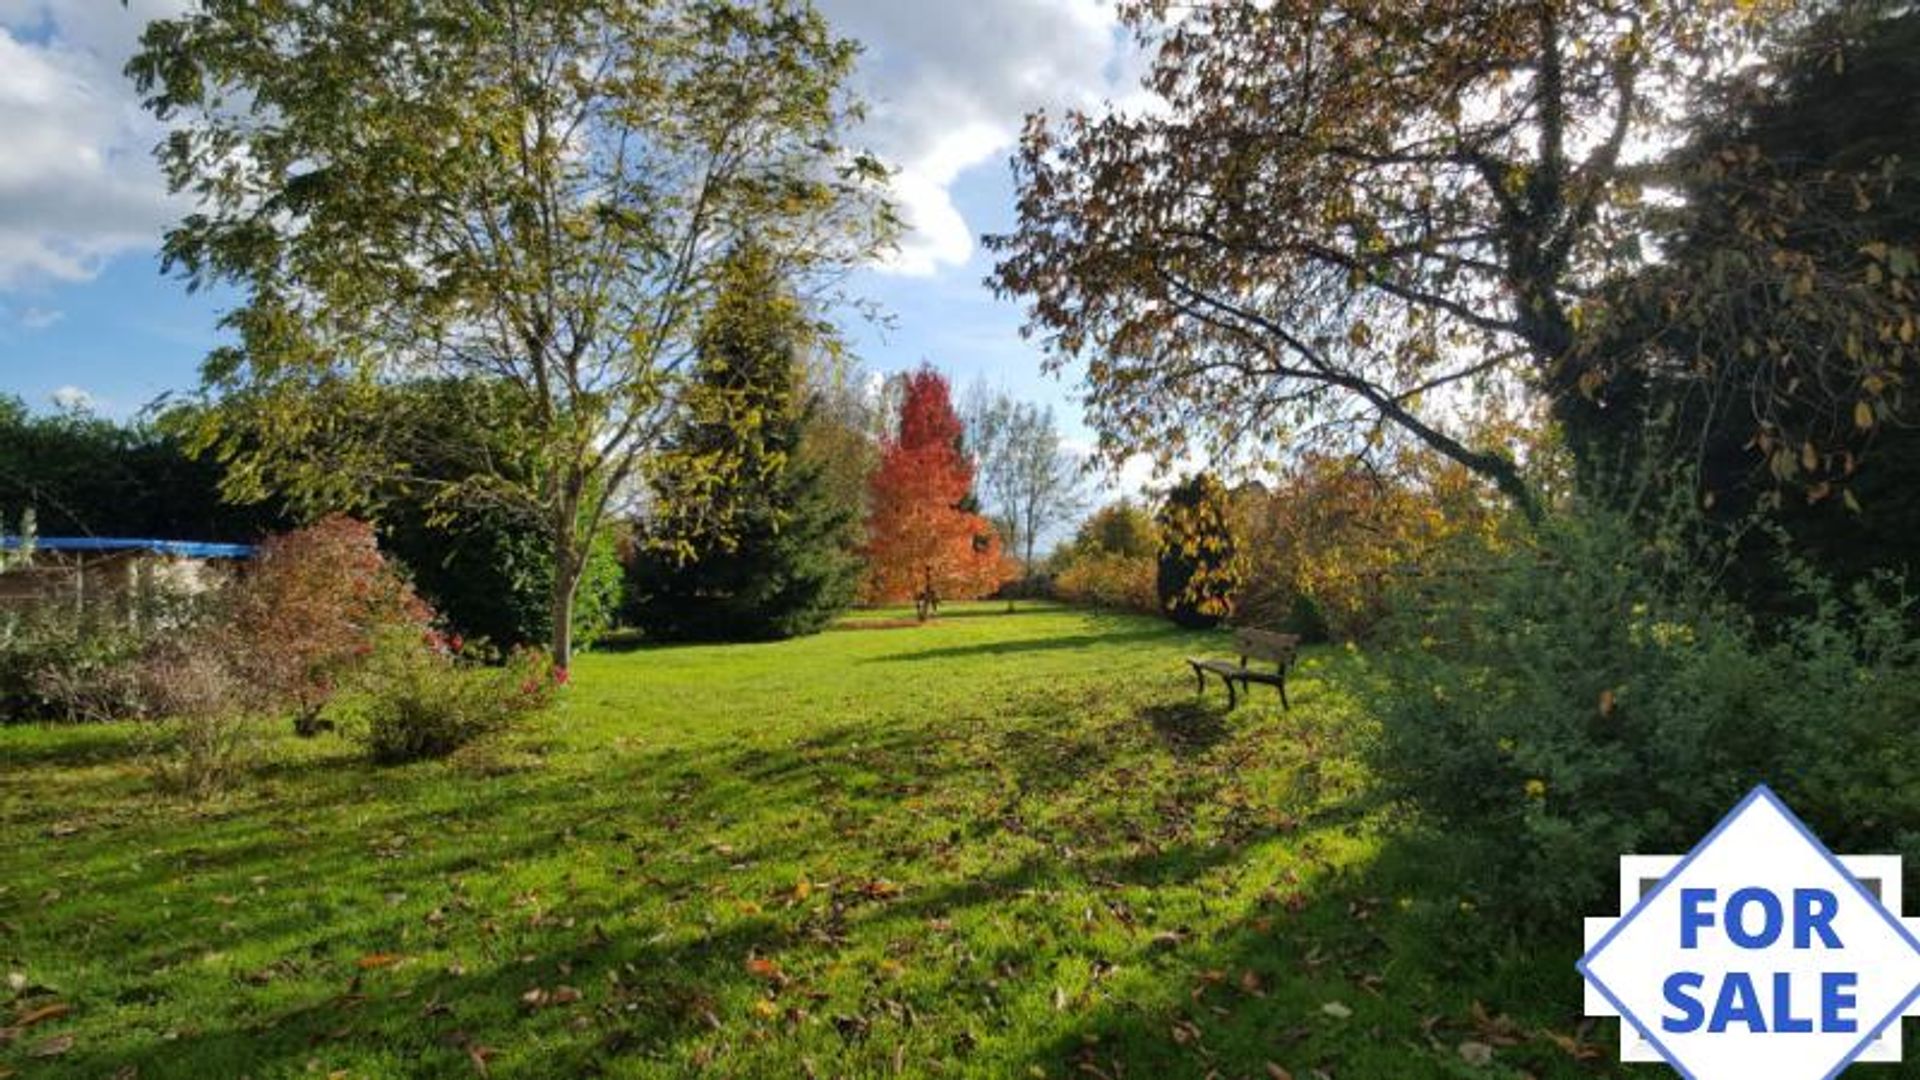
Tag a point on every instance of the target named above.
point(923, 540)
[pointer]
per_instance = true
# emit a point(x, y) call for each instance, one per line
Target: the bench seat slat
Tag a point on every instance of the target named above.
point(1250, 644)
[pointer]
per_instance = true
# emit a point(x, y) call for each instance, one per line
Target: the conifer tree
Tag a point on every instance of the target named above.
point(784, 564)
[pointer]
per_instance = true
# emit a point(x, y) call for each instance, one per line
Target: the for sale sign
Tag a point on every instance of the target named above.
point(1759, 953)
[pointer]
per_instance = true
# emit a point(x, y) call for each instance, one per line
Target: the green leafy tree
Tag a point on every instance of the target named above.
point(532, 193)
point(1121, 527)
point(1199, 568)
point(787, 564)
point(1341, 214)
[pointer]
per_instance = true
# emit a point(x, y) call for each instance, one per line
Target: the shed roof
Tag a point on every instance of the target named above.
point(191, 549)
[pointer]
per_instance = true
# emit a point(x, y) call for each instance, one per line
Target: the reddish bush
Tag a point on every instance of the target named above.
point(313, 604)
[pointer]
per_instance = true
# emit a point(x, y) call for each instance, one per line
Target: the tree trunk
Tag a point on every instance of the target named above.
point(567, 566)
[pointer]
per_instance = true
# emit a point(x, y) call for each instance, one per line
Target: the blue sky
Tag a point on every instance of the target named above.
point(86, 315)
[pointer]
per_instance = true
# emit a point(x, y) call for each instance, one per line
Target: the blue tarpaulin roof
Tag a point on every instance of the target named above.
point(192, 549)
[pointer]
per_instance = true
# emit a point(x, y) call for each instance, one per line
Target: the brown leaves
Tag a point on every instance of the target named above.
point(540, 998)
point(53, 1047)
point(42, 1014)
point(766, 968)
point(375, 961)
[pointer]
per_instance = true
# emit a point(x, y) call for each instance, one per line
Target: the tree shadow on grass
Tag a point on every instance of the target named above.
point(1104, 796)
point(1011, 648)
point(76, 746)
point(1188, 728)
point(1342, 979)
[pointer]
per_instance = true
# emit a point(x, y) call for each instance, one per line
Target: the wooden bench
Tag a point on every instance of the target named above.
point(1256, 645)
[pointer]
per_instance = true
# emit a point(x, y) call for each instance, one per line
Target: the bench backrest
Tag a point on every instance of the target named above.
point(1266, 645)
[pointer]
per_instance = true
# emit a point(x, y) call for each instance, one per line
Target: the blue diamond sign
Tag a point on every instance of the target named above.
point(1759, 953)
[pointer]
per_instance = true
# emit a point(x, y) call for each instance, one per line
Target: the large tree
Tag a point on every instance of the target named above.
point(1030, 483)
point(1765, 362)
point(787, 565)
point(1343, 214)
point(924, 542)
point(530, 192)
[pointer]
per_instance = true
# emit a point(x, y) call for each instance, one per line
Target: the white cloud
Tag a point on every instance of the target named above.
point(73, 398)
point(948, 84)
point(77, 182)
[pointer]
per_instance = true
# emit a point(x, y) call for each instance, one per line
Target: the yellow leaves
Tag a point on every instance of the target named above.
point(1536, 789)
point(374, 961)
point(1863, 415)
point(1606, 702)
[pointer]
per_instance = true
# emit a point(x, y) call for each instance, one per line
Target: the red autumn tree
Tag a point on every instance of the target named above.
point(922, 541)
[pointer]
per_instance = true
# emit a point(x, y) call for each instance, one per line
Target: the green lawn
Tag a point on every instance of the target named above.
point(998, 845)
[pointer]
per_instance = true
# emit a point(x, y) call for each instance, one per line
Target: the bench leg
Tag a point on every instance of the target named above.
point(1233, 699)
point(1199, 679)
point(1283, 693)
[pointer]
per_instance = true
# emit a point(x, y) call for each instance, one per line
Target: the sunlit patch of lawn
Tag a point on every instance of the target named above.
point(994, 845)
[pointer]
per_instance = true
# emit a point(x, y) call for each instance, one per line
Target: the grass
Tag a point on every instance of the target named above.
point(998, 845)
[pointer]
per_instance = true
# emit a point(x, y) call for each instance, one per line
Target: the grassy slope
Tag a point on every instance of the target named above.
point(998, 845)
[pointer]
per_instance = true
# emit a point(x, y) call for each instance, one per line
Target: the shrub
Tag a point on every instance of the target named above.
point(310, 609)
point(1199, 569)
point(1592, 696)
point(82, 663)
point(1106, 580)
point(57, 663)
point(415, 702)
point(207, 739)
point(1325, 546)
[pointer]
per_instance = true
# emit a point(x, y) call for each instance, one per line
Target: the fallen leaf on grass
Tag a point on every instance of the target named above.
point(1478, 1054)
point(1275, 1072)
point(42, 1014)
point(761, 967)
point(1574, 1046)
point(1337, 1010)
point(53, 1047)
point(376, 960)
